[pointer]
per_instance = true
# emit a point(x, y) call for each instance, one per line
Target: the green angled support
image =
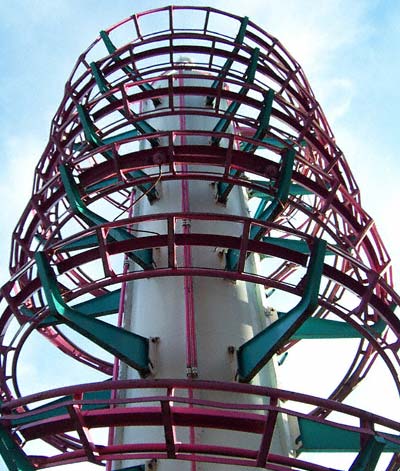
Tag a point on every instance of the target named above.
point(85, 242)
point(99, 306)
point(273, 141)
point(275, 207)
point(272, 210)
point(369, 456)
point(228, 63)
point(120, 137)
point(263, 119)
point(257, 352)
point(128, 70)
point(129, 347)
point(143, 258)
point(291, 244)
point(60, 409)
point(92, 137)
point(223, 189)
point(317, 437)
point(104, 184)
point(315, 328)
point(294, 190)
point(13, 456)
point(141, 126)
point(224, 122)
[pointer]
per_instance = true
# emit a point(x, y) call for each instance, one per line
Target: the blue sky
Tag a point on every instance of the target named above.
point(349, 51)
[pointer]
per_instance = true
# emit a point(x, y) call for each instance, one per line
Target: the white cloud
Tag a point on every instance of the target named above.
point(310, 30)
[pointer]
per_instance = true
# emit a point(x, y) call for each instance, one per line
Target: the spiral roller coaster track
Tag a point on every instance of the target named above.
point(76, 248)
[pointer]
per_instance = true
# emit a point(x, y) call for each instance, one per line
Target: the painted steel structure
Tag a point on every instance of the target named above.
point(143, 189)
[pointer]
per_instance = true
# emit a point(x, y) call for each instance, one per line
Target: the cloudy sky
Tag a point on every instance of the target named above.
point(349, 51)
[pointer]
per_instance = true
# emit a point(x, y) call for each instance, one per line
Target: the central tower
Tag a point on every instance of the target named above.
point(195, 322)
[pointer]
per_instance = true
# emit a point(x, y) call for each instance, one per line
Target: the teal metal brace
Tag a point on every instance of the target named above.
point(83, 243)
point(13, 456)
point(228, 63)
point(270, 212)
point(141, 126)
point(294, 190)
point(298, 245)
point(369, 456)
point(273, 141)
point(291, 244)
point(263, 119)
point(230, 112)
point(57, 407)
point(128, 70)
point(99, 306)
point(315, 328)
point(131, 348)
point(223, 189)
point(92, 137)
point(257, 352)
point(143, 258)
point(316, 437)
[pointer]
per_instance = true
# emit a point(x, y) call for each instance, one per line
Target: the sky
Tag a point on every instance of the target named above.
point(349, 51)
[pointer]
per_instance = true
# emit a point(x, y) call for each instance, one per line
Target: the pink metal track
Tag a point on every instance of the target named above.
point(357, 277)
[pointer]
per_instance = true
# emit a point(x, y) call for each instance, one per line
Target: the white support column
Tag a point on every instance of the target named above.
point(226, 313)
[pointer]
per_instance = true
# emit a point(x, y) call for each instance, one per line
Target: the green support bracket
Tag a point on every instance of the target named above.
point(317, 437)
point(224, 122)
point(103, 305)
point(315, 328)
point(13, 456)
point(258, 351)
point(272, 141)
point(131, 348)
point(101, 185)
point(85, 242)
point(120, 137)
point(294, 190)
point(290, 244)
point(275, 207)
point(263, 119)
point(228, 63)
point(141, 126)
point(272, 210)
point(57, 407)
point(369, 456)
point(99, 306)
point(143, 258)
point(223, 189)
point(128, 70)
point(92, 137)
